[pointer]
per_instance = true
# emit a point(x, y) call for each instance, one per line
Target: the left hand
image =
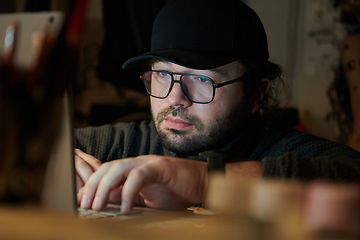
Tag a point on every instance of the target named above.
point(85, 165)
point(148, 180)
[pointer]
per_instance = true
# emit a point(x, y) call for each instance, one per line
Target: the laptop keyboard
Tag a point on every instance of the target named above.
point(113, 211)
point(91, 214)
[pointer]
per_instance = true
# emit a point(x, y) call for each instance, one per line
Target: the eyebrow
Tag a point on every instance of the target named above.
point(218, 71)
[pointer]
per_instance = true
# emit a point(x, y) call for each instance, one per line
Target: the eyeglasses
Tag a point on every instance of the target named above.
point(197, 88)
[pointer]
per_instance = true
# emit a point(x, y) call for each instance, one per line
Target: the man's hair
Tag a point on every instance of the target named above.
point(255, 70)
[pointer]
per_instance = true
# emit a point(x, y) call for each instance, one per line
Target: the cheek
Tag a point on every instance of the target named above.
point(228, 99)
point(155, 105)
point(222, 105)
point(210, 113)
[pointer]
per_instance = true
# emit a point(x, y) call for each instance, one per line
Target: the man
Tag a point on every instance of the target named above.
point(209, 76)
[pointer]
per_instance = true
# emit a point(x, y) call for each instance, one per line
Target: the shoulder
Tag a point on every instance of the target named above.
point(305, 144)
point(116, 141)
point(118, 128)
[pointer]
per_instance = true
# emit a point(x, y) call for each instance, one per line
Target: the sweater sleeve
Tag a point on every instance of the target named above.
point(122, 140)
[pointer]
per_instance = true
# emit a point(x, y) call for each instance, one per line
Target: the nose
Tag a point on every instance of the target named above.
point(177, 97)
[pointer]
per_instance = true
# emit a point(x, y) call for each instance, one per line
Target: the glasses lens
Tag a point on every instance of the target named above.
point(198, 88)
point(157, 84)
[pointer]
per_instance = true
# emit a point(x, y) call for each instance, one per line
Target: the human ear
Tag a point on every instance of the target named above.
point(259, 94)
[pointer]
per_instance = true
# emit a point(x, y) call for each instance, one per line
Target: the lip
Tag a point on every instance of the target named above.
point(178, 124)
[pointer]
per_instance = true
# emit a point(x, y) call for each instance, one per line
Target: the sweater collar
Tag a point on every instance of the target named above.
point(243, 144)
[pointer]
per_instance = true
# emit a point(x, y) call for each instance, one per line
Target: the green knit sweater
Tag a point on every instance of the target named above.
point(285, 153)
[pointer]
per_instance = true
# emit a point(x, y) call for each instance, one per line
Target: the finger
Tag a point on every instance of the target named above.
point(83, 169)
point(115, 195)
point(79, 183)
point(89, 189)
point(79, 196)
point(137, 179)
point(113, 179)
point(91, 160)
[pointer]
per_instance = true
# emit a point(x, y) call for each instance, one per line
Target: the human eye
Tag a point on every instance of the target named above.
point(202, 79)
point(161, 74)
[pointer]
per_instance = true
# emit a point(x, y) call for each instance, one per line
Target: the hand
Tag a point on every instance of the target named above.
point(85, 165)
point(149, 180)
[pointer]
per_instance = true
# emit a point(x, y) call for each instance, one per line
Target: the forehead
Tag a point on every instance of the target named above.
point(233, 68)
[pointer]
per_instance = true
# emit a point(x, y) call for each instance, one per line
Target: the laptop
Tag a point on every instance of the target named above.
point(60, 186)
point(27, 119)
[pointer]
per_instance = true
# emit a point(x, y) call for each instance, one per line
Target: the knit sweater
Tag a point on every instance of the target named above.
point(284, 152)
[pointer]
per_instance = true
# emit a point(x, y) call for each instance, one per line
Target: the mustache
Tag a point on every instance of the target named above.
point(179, 112)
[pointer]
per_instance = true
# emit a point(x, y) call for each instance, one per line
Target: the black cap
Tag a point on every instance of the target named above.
point(205, 34)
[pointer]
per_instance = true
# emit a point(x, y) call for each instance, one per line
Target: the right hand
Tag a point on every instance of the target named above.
point(85, 165)
point(147, 180)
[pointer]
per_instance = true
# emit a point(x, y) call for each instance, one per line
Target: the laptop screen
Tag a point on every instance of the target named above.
point(59, 186)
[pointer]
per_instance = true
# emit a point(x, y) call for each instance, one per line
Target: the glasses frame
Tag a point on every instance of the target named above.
point(215, 85)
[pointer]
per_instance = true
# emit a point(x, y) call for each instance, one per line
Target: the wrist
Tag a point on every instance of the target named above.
point(244, 169)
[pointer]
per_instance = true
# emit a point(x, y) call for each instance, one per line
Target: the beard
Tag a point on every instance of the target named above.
point(221, 130)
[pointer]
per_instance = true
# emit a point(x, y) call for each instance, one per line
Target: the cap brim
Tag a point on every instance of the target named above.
point(187, 58)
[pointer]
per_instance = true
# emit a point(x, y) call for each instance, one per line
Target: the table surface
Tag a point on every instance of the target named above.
point(33, 223)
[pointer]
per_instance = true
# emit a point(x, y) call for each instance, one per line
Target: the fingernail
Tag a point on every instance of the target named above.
point(123, 207)
point(96, 204)
point(85, 202)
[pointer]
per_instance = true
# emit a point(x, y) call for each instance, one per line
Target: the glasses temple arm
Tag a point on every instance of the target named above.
point(228, 82)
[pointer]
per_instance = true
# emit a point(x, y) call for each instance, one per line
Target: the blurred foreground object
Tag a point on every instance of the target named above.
point(30, 105)
point(28, 31)
point(332, 210)
point(286, 210)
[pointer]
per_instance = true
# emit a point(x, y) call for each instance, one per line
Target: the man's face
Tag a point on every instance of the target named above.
point(187, 128)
